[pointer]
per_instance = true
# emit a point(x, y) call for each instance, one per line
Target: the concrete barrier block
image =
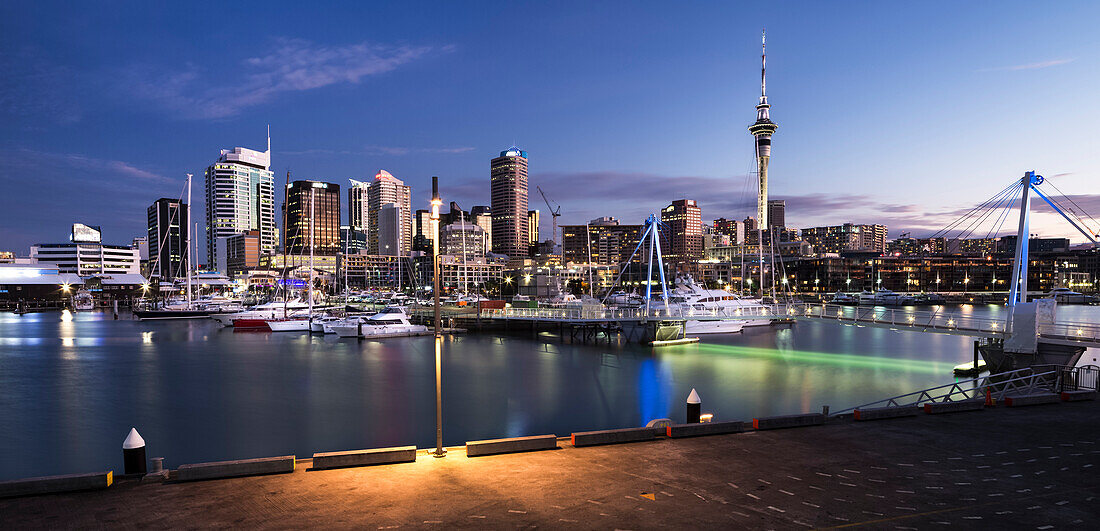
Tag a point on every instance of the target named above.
point(891, 412)
point(934, 408)
point(788, 421)
point(373, 456)
point(676, 431)
point(52, 484)
point(241, 467)
point(512, 445)
point(1032, 400)
point(592, 438)
point(1074, 396)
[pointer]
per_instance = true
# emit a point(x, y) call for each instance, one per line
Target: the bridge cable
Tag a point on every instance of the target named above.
point(951, 226)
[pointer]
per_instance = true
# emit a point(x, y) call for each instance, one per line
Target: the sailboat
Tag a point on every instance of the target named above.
point(300, 324)
point(184, 309)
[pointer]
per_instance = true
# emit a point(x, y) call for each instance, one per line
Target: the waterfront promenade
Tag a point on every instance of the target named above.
point(1022, 468)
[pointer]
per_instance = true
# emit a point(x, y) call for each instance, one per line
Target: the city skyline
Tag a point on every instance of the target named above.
point(946, 118)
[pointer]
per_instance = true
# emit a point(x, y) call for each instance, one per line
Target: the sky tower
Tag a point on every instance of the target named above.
point(763, 130)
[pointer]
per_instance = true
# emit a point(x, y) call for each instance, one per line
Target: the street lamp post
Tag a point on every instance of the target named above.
point(436, 203)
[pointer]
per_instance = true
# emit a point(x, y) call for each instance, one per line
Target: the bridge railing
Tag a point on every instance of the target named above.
point(1027, 380)
point(936, 320)
point(657, 311)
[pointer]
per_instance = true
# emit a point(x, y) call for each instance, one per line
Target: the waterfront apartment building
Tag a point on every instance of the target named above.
point(387, 189)
point(917, 246)
point(732, 228)
point(325, 223)
point(167, 237)
point(240, 197)
point(508, 201)
point(610, 242)
point(684, 222)
point(846, 238)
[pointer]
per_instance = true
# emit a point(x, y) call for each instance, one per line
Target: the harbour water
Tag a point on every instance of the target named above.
point(72, 385)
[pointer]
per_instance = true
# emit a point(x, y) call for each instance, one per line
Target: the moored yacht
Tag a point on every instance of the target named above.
point(391, 321)
point(704, 309)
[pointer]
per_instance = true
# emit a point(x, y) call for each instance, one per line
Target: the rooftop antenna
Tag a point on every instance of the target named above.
point(268, 138)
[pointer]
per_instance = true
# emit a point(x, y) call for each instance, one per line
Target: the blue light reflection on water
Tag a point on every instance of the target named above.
point(197, 392)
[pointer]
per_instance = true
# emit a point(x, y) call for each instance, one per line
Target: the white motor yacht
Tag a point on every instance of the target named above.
point(270, 310)
point(391, 321)
point(704, 309)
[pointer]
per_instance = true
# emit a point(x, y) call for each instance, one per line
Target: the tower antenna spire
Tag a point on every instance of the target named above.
point(269, 138)
point(763, 65)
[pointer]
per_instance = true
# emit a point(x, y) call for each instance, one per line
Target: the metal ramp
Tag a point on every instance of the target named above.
point(1025, 381)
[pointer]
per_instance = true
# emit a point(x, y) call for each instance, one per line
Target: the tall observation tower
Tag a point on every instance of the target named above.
point(763, 129)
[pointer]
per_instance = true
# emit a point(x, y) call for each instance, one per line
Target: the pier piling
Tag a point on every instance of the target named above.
point(694, 407)
point(133, 453)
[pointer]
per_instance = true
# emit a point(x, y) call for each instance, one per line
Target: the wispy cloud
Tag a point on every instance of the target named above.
point(80, 163)
point(381, 150)
point(1028, 66)
point(294, 65)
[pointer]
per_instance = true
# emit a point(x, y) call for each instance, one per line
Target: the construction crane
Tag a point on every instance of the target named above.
point(554, 215)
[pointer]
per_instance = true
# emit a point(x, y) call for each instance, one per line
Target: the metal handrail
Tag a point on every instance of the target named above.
point(1014, 380)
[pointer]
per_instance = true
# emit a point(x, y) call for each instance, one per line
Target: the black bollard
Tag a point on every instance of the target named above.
point(133, 453)
point(694, 407)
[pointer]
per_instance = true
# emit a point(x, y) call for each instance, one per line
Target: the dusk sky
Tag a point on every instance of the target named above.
point(891, 113)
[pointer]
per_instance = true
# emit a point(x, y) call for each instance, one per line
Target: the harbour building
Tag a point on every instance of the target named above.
point(240, 197)
point(508, 203)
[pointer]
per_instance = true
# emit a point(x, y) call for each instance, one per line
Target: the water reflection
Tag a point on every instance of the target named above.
point(197, 392)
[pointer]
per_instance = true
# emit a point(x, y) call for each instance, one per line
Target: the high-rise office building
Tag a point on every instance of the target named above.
point(685, 231)
point(508, 196)
point(167, 238)
point(482, 216)
point(322, 231)
point(532, 227)
point(777, 213)
point(387, 189)
point(390, 235)
point(463, 239)
point(240, 197)
point(358, 205)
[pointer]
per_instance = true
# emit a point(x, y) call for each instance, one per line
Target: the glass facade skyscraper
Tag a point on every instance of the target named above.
point(240, 197)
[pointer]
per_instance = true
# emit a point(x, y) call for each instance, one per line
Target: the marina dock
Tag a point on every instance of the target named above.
point(974, 469)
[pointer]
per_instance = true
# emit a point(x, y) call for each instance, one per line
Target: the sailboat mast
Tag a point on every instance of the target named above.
point(312, 198)
point(188, 242)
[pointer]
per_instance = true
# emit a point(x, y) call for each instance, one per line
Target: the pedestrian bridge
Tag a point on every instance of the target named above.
point(939, 320)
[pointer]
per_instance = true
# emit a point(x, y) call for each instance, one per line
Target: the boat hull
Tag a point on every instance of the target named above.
point(250, 324)
point(715, 326)
point(148, 315)
point(289, 325)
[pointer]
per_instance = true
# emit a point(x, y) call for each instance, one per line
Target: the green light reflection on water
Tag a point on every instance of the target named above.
point(816, 358)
